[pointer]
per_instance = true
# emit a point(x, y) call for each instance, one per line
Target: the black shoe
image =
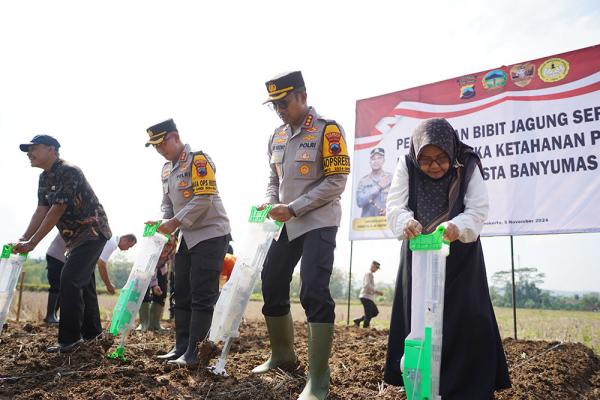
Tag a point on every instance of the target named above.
point(93, 338)
point(357, 321)
point(182, 335)
point(199, 326)
point(64, 348)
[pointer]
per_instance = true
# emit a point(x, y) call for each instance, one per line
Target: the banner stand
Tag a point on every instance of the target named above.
point(349, 285)
point(514, 297)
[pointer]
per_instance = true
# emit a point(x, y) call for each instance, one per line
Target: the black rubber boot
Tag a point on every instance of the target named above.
point(51, 309)
point(199, 328)
point(182, 335)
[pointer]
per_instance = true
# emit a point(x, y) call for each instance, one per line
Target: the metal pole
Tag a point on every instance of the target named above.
point(349, 285)
point(514, 296)
point(20, 294)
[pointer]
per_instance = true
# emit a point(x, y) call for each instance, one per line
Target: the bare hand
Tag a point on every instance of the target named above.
point(157, 291)
point(385, 181)
point(280, 212)
point(110, 288)
point(412, 229)
point(169, 226)
point(262, 206)
point(24, 247)
point(451, 233)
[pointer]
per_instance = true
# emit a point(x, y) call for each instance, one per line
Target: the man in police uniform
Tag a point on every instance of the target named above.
point(191, 203)
point(66, 200)
point(373, 188)
point(309, 167)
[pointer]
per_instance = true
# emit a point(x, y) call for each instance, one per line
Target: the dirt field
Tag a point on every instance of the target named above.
point(539, 370)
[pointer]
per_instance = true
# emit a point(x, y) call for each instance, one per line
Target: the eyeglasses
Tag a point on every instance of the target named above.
point(442, 161)
point(157, 145)
point(281, 104)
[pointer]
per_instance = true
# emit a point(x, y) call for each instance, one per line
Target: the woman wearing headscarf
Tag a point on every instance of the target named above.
point(440, 183)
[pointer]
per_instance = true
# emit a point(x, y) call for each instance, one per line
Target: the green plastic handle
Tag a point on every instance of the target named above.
point(260, 216)
point(7, 251)
point(432, 241)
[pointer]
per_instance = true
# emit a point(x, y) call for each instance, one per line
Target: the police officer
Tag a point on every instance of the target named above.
point(309, 167)
point(373, 188)
point(191, 203)
point(66, 200)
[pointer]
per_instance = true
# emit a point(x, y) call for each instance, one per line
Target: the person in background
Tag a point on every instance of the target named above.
point(123, 243)
point(367, 297)
point(55, 259)
point(440, 182)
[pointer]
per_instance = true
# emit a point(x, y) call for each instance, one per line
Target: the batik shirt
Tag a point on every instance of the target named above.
point(84, 218)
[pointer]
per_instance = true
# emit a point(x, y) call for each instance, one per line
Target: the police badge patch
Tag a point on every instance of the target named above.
point(335, 151)
point(203, 175)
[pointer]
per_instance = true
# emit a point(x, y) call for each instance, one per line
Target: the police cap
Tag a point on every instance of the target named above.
point(158, 132)
point(284, 84)
point(378, 150)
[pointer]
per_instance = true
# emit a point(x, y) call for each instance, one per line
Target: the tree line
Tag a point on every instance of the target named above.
point(527, 282)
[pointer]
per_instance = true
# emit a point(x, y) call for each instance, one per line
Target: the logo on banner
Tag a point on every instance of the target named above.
point(553, 70)
point(522, 74)
point(467, 86)
point(493, 80)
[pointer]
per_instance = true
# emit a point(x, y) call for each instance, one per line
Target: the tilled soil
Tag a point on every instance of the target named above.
point(539, 370)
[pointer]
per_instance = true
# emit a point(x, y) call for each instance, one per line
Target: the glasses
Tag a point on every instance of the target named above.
point(281, 104)
point(157, 145)
point(442, 161)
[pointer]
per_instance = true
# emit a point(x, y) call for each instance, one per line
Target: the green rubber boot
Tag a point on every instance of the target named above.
point(144, 317)
point(156, 312)
point(281, 336)
point(320, 336)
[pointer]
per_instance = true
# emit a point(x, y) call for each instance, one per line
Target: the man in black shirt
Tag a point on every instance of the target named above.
point(67, 201)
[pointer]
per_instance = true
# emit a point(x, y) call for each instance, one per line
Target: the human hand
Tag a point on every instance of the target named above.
point(385, 181)
point(157, 291)
point(169, 226)
point(262, 206)
point(280, 212)
point(412, 229)
point(24, 247)
point(110, 288)
point(452, 232)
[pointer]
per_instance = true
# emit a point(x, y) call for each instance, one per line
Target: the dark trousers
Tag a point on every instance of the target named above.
point(162, 284)
point(54, 269)
point(316, 249)
point(371, 311)
point(79, 312)
point(197, 273)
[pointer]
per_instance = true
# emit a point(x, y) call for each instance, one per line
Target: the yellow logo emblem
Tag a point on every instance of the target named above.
point(553, 70)
point(304, 169)
point(272, 87)
point(309, 137)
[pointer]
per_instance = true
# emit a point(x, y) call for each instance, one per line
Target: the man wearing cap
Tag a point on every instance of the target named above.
point(192, 204)
point(309, 166)
point(373, 188)
point(367, 297)
point(66, 200)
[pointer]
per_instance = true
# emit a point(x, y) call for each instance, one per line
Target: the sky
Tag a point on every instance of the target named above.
point(96, 74)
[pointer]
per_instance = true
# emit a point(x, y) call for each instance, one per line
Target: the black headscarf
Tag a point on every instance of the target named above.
point(436, 197)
